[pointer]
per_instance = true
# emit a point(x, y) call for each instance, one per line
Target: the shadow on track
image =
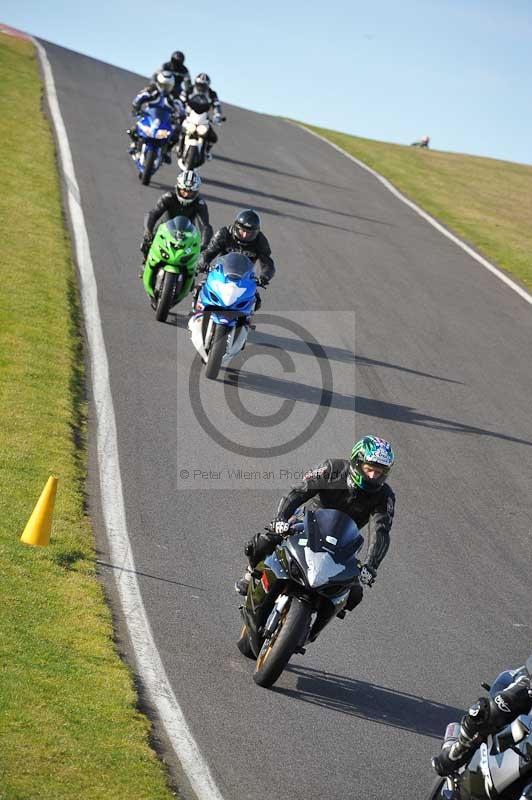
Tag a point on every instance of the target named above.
point(370, 701)
point(333, 353)
point(284, 199)
point(147, 575)
point(273, 212)
point(280, 172)
point(243, 380)
point(177, 320)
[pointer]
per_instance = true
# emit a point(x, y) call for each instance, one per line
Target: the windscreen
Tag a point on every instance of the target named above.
point(334, 524)
point(235, 265)
point(199, 103)
point(180, 225)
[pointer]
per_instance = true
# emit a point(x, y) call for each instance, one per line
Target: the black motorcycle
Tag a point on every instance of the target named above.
point(295, 592)
point(501, 767)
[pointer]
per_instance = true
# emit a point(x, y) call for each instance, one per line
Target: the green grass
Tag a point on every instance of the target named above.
point(70, 724)
point(486, 202)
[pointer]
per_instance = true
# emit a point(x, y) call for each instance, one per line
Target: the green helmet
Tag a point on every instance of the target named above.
point(181, 242)
point(374, 451)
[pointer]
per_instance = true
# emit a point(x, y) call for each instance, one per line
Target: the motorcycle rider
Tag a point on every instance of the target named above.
point(184, 201)
point(243, 236)
point(202, 86)
point(160, 89)
point(357, 487)
point(176, 65)
point(512, 696)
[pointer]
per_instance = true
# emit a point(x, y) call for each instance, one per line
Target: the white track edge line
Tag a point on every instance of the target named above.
point(148, 659)
point(435, 224)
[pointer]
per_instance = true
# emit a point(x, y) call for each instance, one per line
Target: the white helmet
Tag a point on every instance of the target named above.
point(187, 186)
point(165, 81)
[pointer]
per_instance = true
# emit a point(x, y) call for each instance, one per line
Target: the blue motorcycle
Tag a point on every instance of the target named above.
point(221, 319)
point(154, 129)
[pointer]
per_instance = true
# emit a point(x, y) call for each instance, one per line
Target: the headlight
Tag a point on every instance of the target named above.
point(162, 134)
point(203, 130)
point(189, 127)
point(145, 128)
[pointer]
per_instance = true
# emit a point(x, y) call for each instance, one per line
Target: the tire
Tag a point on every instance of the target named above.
point(216, 352)
point(244, 645)
point(166, 296)
point(148, 167)
point(277, 651)
point(435, 792)
point(190, 158)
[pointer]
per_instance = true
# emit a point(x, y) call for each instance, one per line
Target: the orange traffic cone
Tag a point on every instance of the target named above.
point(39, 525)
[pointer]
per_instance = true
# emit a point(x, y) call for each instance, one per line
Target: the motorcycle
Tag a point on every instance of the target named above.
point(295, 592)
point(191, 149)
point(501, 767)
point(224, 305)
point(170, 268)
point(153, 129)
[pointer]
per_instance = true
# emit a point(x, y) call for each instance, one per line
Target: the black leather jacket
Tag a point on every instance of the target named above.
point(258, 250)
point(197, 212)
point(326, 486)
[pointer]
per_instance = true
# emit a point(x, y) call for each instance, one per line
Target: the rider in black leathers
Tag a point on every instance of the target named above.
point(184, 201)
point(512, 696)
point(243, 236)
point(357, 487)
point(177, 67)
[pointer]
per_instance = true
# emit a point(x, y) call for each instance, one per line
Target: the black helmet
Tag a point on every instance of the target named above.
point(202, 82)
point(177, 58)
point(246, 226)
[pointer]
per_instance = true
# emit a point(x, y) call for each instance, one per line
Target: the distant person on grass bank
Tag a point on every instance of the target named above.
point(423, 142)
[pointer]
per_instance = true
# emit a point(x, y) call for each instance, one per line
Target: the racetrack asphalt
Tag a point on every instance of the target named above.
point(421, 345)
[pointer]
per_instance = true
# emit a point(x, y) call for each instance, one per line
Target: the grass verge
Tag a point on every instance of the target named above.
point(70, 725)
point(487, 203)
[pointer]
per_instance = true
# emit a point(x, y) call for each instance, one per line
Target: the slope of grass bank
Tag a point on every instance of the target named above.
point(487, 203)
point(70, 727)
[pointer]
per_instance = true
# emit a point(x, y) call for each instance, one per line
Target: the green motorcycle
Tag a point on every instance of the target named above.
point(170, 267)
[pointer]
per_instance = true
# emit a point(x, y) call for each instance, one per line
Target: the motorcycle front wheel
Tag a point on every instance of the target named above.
point(435, 792)
point(216, 351)
point(147, 170)
point(243, 643)
point(280, 647)
point(166, 296)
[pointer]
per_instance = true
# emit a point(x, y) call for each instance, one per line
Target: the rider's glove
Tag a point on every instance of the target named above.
point(134, 111)
point(202, 266)
point(146, 244)
point(368, 575)
point(263, 281)
point(280, 527)
point(451, 759)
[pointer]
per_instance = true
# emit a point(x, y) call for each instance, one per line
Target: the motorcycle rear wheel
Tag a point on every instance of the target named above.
point(280, 647)
point(148, 167)
point(166, 296)
point(216, 351)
